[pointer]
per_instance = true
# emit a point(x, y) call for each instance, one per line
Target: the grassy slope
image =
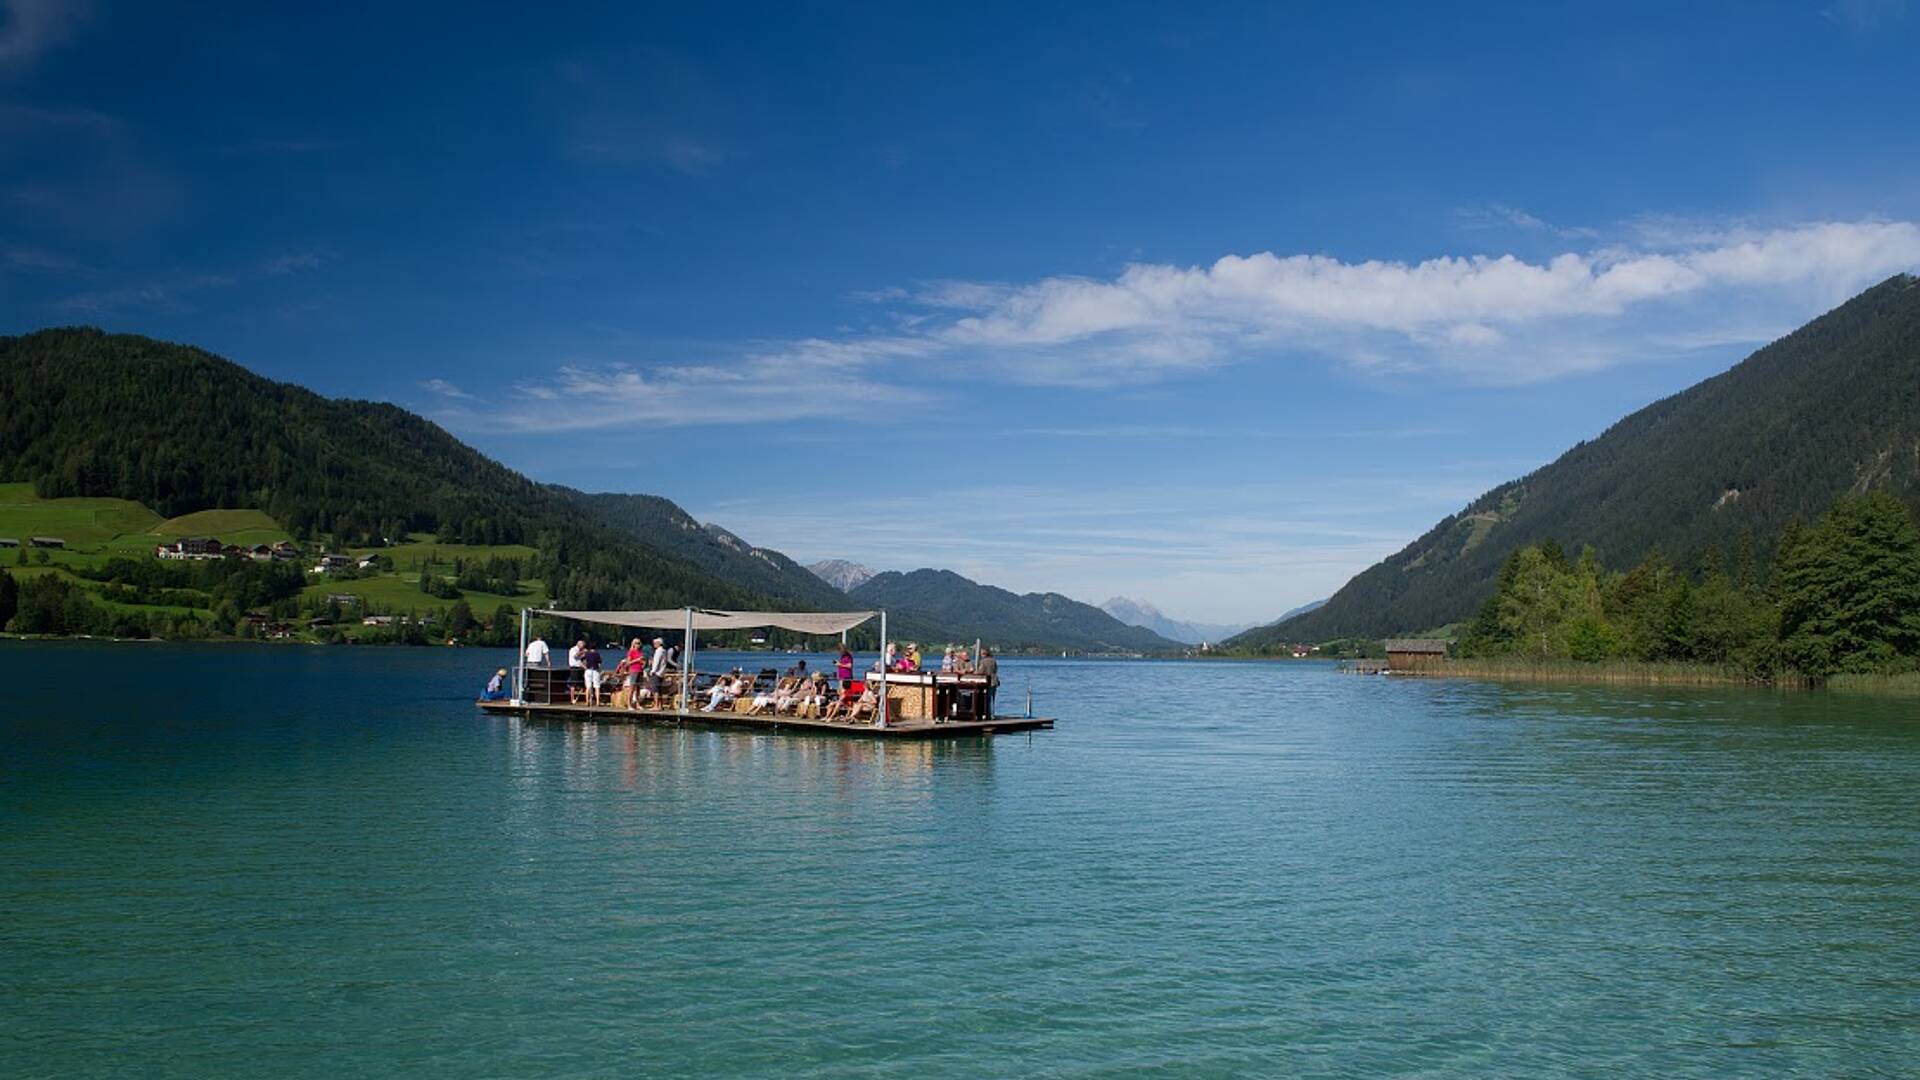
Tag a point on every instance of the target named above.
point(98, 529)
point(80, 522)
point(225, 524)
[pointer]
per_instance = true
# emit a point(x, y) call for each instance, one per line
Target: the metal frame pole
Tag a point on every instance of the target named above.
point(882, 713)
point(686, 666)
point(520, 664)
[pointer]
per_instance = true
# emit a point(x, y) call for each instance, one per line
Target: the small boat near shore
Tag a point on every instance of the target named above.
point(904, 704)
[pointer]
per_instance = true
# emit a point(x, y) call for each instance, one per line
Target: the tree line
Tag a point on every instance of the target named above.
point(1842, 595)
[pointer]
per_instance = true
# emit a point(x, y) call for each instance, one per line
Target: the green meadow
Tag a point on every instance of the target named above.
point(96, 530)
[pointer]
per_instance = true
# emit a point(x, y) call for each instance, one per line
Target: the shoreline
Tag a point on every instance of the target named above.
point(1641, 673)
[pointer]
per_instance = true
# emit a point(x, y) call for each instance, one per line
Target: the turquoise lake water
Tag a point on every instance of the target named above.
point(298, 862)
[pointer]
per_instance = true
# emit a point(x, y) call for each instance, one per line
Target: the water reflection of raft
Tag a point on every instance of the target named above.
point(896, 728)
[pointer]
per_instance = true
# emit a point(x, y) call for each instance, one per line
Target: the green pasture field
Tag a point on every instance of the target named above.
point(80, 522)
point(228, 525)
point(96, 530)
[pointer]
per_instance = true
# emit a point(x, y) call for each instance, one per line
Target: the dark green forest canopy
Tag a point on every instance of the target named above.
point(180, 430)
point(1831, 409)
point(718, 552)
point(965, 609)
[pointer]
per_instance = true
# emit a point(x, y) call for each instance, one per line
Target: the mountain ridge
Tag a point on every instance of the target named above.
point(966, 609)
point(1829, 409)
point(1145, 614)
point(840, 573)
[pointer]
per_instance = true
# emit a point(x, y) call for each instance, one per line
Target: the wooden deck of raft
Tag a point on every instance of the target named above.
point(901, 729)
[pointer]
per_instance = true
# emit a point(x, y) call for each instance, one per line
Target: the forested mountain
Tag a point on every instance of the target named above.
point(1831, 409)
point(964, 609)
point(180, 430)
point(665, 525)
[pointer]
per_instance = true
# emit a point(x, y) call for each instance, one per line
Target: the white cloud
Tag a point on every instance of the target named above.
point(1495, 318)
point(807, 379)
point(1482, 318)
point(445, 389)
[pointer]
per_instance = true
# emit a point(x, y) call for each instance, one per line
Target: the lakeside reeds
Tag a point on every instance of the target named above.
point(1616, 672)
point(1650, 673)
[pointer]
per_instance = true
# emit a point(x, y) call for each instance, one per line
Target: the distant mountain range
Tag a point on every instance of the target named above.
point(841, 574)
point(1831, 409)
point(953, 608)
point(665, 525)
point(180, 430)
point(1141, 613)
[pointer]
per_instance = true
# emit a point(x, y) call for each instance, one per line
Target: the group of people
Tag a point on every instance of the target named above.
point(644, 672)
point(953, 661)
point(795, 692)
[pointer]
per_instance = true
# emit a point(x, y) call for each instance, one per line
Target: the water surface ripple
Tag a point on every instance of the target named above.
point(325, 863)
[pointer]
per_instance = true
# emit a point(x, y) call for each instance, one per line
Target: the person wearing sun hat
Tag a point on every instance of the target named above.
point(496, 687)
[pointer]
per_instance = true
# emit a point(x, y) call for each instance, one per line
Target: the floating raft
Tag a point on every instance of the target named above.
point(898, 729)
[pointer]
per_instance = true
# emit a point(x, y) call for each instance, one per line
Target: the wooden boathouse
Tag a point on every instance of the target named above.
point(1415, 654)
point(904, 704)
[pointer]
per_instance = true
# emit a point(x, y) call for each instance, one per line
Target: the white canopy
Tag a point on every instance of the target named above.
point(805, 622)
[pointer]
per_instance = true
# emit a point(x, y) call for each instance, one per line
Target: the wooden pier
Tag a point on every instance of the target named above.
point(898, 729)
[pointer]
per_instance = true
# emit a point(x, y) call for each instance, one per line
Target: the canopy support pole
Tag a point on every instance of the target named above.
point(520, 664)
point(686, 666)
point(882, 711)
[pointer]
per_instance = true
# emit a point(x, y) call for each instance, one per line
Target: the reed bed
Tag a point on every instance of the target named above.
point(1902, 684)
point(1617, 672)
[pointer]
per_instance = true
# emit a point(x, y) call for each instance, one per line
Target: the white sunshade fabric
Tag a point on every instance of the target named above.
point(804, 622)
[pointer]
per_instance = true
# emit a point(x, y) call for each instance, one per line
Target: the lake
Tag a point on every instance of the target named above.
point(311, 862)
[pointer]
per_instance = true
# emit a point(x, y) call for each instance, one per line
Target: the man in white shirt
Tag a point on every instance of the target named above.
point(574, 654)
point(538, 653)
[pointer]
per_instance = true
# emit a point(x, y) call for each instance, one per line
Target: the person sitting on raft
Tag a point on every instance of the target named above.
point(770, 697)
point(817, 693)
point(726, 690)
point(851, 707)
point(496, 687)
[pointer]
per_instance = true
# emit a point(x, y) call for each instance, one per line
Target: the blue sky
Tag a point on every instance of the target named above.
point(1208, 308)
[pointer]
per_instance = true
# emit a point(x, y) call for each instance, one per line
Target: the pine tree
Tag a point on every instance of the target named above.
point(1850, 589)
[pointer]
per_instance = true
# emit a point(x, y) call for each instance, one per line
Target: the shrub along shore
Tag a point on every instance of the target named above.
point(1841, 600)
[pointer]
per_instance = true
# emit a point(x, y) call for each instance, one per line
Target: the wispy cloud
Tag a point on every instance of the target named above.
point(445, 389)
point(29, 28)
point(1493, 216)
point(641, 107)
point(282, 265)
point(782, 385)
point(176, 293)
point(31, 260)
point(1493, 319)
point(1862, 16)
